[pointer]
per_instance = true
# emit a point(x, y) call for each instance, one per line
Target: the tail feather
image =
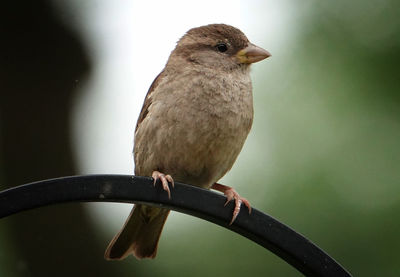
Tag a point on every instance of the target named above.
point(139, 235)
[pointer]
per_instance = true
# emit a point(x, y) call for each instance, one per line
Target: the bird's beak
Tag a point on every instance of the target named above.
point(252, 54)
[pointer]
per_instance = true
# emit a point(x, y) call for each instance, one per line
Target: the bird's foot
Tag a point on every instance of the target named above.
point(231, 194)
point(164, 181)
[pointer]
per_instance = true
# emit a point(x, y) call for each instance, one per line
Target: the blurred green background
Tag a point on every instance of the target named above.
point(323, 155)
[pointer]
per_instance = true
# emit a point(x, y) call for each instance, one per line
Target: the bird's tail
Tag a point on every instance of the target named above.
point(139, 235)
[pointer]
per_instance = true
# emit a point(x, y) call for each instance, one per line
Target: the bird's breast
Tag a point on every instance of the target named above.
point(196, 132)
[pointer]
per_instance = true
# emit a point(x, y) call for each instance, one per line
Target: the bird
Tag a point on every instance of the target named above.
point(194, 121)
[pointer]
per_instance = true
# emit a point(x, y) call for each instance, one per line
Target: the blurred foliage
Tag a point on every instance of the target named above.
point(333, 131)
point(323, 155)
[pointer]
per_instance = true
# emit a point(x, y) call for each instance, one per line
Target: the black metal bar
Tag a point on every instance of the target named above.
point(258, 227)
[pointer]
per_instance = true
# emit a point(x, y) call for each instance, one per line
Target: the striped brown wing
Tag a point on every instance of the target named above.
point(148, 99)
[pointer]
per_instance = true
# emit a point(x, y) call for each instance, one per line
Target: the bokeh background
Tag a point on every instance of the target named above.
point(323, 155)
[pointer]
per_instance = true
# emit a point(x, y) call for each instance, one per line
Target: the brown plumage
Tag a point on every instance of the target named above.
point(193, 124)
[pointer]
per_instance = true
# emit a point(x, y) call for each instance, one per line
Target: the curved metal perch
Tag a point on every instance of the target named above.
point(258, 227)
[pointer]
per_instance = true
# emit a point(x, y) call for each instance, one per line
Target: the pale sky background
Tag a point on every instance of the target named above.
point(129, 43)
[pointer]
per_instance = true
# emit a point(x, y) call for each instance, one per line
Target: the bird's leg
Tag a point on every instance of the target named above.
point(231, 194)
point(164, 181)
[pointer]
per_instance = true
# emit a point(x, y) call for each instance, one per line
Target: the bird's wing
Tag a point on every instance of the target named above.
point(148, 99)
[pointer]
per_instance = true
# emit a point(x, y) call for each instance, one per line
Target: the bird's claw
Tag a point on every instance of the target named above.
point(164, 181)
point(231, 194)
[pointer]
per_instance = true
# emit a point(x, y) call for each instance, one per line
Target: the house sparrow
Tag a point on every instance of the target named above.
point(192, 126)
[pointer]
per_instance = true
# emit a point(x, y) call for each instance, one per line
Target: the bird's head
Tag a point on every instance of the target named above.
point(218, 46)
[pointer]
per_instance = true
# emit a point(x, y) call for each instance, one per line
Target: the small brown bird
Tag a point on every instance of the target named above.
point(193, 124)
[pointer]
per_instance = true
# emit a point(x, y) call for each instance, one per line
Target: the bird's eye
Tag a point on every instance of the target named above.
point(221, 47)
